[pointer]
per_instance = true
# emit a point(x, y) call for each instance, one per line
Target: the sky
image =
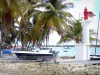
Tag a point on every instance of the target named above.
point(79, 5)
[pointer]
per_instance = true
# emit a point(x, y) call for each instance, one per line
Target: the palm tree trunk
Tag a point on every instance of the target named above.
point(16, 42)
point(0, 38)
point(28, 45)
point(0, 43)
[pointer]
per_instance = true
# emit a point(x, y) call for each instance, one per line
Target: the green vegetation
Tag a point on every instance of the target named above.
point(43, 22)
point(34, 25)
point(10, 11)
point(76, 33)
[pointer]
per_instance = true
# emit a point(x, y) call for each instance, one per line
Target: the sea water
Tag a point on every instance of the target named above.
point(70, 51)
point(67, 50)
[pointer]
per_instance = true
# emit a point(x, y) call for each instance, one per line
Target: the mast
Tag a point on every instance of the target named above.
point(97, 34)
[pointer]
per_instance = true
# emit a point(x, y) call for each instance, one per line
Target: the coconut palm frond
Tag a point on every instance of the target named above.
point(65, 39)
point(92, 32)
point(53, 18)
point(75, 32)
point(93, 39)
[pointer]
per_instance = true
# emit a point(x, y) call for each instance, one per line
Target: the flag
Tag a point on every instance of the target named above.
point(91, 14)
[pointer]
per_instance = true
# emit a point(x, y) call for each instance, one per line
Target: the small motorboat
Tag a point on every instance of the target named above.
point(94, 57)
point(40, 55)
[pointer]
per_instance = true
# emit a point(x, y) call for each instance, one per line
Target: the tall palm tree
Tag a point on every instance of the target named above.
point(10, 11)
point(53, 18)
point(25, 32)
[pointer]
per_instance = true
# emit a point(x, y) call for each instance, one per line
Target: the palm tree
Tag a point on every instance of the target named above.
point(54, 18)
point(44, 21)
point(25, 32)
point(10, 11)
point(76, 33)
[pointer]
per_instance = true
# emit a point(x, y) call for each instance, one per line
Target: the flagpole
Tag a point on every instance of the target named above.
point(97, 34)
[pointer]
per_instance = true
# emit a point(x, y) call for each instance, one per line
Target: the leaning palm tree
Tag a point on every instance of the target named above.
point(53, 18)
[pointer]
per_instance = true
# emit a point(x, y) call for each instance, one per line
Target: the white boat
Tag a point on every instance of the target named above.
point(94, 57)
point(40, 55)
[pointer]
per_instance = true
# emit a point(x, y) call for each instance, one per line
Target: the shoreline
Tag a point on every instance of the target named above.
point(58, 61)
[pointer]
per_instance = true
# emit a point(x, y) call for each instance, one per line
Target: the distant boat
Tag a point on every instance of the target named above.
point(65, 51)
point(94, 57)
point(66, 47)
point(7, 51)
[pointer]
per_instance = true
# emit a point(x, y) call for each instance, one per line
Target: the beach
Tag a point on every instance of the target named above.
point(38, 68)
point(12, 66)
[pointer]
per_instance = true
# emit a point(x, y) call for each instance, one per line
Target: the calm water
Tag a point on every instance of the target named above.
point(71, 51)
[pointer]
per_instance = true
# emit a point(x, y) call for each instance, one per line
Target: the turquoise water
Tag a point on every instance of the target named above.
point(71, 51)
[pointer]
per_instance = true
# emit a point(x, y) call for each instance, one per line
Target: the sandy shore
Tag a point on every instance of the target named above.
point(12, 66)
point(36, 68)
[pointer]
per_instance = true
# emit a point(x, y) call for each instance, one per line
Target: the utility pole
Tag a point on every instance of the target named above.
point(97, 34)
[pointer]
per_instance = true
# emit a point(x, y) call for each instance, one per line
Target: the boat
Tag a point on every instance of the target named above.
point(65, 51)
point(94, 57)
point(66, 47)
point(39, 55)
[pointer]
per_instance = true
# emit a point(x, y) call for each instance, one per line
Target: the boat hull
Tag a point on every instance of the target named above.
point(30, 56)
point(94, 57)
